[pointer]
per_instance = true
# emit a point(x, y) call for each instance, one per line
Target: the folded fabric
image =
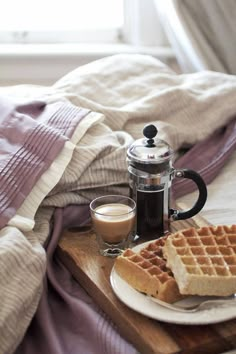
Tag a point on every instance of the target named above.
point(32, 136)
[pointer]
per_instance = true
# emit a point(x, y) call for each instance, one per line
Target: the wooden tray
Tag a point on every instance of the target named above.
point(78, 251)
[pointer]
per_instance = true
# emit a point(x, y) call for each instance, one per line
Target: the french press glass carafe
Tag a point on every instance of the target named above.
point(150, 177)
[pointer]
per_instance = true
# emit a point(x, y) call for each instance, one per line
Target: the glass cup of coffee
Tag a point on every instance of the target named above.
point(113, 219)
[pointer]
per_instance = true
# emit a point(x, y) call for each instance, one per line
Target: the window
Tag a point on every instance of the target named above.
point(81, 21)
point(40, 41)
point(53, 21)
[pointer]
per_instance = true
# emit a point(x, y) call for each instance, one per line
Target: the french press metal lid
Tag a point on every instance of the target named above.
point(150, 154)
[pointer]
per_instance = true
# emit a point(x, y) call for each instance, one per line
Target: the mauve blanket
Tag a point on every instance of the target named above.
point(119, 95)
point(32, 135)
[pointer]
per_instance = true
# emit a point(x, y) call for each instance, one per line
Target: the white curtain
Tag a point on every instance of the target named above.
point(202, 33)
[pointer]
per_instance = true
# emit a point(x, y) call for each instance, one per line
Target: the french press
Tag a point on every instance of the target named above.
point(150, 177)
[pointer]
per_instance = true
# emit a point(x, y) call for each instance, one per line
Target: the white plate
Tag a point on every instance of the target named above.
point(142, 304)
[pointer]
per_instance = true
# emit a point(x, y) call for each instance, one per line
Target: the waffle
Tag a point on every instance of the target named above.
point(203, 260)
point(146, 272)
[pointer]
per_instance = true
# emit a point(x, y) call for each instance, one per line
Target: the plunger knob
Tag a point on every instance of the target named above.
point(150, 131)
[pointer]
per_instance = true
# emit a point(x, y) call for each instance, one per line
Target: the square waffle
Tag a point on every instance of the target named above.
point(203, 260)
point(146, 272)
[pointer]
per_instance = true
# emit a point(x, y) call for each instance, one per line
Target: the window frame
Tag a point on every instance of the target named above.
point(58, 37)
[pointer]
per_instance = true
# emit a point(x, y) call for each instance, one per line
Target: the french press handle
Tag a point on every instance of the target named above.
point(195, 177)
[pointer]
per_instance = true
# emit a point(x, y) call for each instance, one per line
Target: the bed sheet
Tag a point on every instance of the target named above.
point(122, 94)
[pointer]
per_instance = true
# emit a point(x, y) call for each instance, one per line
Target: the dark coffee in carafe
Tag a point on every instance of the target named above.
point(150, 218)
